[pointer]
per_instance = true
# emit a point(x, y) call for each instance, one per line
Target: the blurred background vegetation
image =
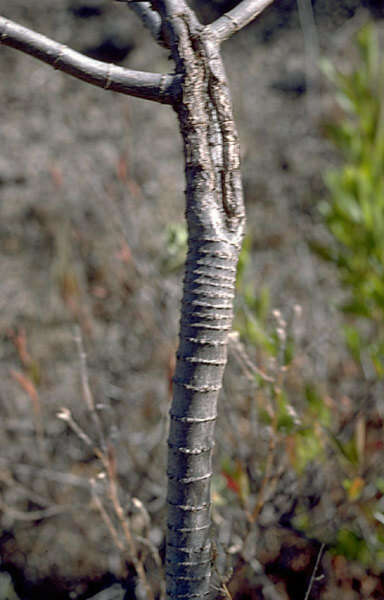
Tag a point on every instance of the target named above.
point(92, 245)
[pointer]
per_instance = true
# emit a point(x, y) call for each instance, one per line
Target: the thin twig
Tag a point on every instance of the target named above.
point(29, 388)
point(156, 557)
point(65, 415)
point(106, 518)
point(315, 568)
point(87, 394)
point(268, 469)
point(119, 511)
point(108, 459)
point(223, 578)
point(249, 369)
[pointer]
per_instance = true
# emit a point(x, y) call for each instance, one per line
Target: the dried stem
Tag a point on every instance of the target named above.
point(108, 459)
point(87, 394)
point(268, 470)
point(106, 518)
point(119, 511)
point(315, 568)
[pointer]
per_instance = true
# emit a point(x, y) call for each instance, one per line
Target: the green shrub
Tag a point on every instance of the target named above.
point(354, 209)
point(307, 429)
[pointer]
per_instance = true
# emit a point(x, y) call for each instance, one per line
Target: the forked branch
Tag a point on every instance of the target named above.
point(158, 87)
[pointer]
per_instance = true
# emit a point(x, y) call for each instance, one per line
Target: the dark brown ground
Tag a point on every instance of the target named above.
point(89, 183)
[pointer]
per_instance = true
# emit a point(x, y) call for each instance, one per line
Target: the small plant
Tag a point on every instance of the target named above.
point(354, 215)
point(176, 237)
point(354, 209)
point(306, 433)
point(291, 406)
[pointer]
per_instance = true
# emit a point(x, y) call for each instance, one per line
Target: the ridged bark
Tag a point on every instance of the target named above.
point(215, 218)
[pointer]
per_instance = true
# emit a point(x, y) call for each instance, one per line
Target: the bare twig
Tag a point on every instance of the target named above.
point(119, 511)
point(237, 18)
point(150, 86)
point(223, 578)
point(267, 474)
point(26, 380)
point(87, 394)
point(250, 370)
point(156, 557)
point(106, 518)
point(107, 457)
point(315, 568)
point(151, 548)
point(29, 388)
point(65, 415)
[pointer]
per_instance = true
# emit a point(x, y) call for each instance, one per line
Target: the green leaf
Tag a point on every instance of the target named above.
point(287, 418)
point(379, 483)
point(317, 408)
point(353, 341)
point(354, 209)
point(324, 252)
point(352, 546)
point(346, 449)
point(356, 306)
point(308, 448)
point(175, 246)
point(244, 261)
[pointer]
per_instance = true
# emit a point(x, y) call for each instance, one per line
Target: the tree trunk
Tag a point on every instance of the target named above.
point(215, 218)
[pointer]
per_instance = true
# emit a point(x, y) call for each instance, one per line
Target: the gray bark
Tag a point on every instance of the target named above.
point(215, 219)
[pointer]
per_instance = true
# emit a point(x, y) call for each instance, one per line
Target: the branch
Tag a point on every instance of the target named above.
point(149, 17)
point(150, 86)
point(237, 18)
